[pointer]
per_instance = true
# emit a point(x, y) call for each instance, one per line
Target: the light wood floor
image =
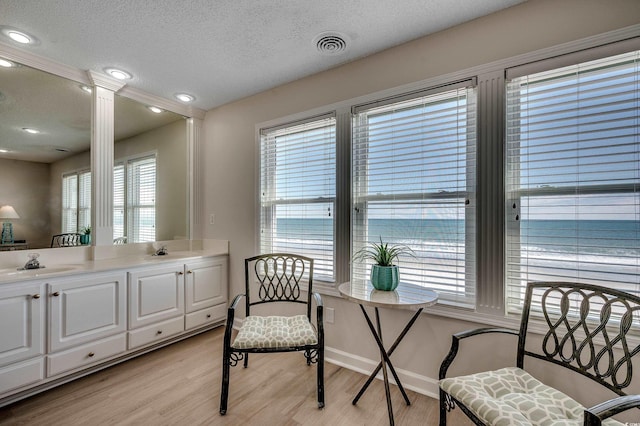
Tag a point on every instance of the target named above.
point(180, 385)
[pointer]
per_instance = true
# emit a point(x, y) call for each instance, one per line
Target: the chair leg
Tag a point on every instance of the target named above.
point(224, 393)
point(443, 408)
point(246, 359)
point(320, 368)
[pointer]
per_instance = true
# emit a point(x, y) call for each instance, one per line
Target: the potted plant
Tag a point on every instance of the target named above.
point(85, 235)
point(384, 274)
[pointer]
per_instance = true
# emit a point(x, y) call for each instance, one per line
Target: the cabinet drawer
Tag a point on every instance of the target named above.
point(86, 354)
point(156, 332)
point(21, 374)
point(205, 316)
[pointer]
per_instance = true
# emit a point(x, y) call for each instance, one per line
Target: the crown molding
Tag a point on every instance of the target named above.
point(35, 61)
point(105, 81)
point(164, 103)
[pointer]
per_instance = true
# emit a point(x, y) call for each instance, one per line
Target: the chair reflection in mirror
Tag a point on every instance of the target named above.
point(275, 279)
point(120, 240)
point(66, 240)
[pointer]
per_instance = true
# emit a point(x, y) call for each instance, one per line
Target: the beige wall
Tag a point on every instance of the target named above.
point(230, 148)
point(25, 186)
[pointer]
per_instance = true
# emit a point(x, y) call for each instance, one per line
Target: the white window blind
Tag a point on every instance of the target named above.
point(84, 200)
point(573, 176)
point(141, 200)
point(76, 201)
point(70, 203)
point(118, 201)
point(413, 183)
point(298, 192)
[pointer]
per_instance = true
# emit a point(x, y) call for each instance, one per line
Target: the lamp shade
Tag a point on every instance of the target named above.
point(8, 212)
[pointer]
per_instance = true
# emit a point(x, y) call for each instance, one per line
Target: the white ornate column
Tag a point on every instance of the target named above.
point(195, 183)
point(102, 141)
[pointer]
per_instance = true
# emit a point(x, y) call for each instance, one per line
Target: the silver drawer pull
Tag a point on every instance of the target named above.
point(36, 296)
point(159, 332)
point(91, 354)
point(56, 294)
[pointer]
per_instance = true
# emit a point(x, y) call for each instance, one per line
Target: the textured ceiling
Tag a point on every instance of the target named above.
point(224, 50)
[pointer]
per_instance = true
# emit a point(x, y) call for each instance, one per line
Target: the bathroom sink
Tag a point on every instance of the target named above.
point(36, 272)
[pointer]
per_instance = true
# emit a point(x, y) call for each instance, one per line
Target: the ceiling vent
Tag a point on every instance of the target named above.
point(331, 43)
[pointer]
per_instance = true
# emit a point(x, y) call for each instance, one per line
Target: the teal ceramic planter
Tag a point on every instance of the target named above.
point(385, 277)
point(85, 239)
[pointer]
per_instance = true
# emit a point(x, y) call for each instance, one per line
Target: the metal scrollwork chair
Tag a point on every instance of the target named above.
point(275, 278)
point(65, 240)
point(588, 329)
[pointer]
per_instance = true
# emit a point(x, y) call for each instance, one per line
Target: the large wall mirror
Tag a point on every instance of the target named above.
point(150, 173)
point(45, 128)
point(46, 176)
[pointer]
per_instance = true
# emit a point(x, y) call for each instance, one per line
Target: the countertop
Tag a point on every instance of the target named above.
point(12, 275)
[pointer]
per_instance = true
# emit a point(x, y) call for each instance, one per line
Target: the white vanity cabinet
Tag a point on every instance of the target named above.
point(156, 303)
point(87, 320)
point(22, 316)
point(205, 291)
point(70, 325)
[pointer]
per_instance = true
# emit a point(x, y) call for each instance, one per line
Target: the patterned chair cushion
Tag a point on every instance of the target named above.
point(512, 397)
point(275, 332)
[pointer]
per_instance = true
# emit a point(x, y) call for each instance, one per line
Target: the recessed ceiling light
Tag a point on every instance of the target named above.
point(184, 97)
point(119, 74)
point(3, 151)
point(30, 130)
point(155, 109)
point(86, 88)
point(19, 37)
point(5, 63)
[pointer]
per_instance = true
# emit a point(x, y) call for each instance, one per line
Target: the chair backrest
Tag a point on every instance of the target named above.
point(120, 240)
point(279, 278)
point(65, 240)
point(586, 328)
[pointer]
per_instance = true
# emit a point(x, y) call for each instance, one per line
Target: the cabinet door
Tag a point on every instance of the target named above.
point(22, 310)
point(86, 309)
point(155, 294)
point(206, 283)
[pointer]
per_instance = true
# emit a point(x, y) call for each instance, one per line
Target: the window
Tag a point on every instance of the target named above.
point(76, 201)
point(413, 183)
point(298, 191)
point(573, 176)
point(138, 187)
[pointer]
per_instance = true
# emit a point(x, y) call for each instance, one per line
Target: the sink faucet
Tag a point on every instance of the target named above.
point(33, 262)
point(162, 251)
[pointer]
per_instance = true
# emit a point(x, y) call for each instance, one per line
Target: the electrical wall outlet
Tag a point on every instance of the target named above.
point(329, 315)
point(212, 219)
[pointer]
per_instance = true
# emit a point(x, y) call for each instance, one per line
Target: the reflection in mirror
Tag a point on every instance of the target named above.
point(58, 113)
point(150, 174)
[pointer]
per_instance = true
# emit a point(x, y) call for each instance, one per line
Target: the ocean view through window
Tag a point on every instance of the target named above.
point(298, 192)
point(573, 176)
point(414, 184)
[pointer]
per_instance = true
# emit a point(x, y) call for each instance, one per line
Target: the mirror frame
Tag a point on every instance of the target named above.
point(102, 140)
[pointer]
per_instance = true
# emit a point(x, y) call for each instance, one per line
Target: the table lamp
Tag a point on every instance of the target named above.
point(7, 212)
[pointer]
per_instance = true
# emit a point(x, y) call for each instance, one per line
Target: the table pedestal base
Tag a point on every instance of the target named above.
point(385, 360)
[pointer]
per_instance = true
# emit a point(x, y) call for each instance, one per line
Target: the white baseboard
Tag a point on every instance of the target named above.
point(421, 384)
point(410, 380)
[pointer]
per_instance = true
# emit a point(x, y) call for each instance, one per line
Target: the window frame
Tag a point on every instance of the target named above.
point(267, 204)
point(361, 197)
point(79, 208)
point(125, 163)
point(492, 199)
